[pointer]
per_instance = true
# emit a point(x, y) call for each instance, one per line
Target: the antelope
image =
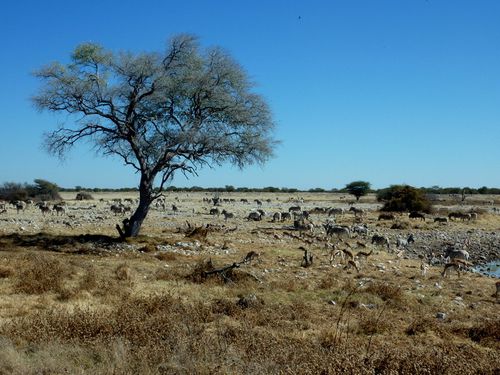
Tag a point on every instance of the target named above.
point(416, 215)
point(360, 229)
point(423, 268)
point(337, 230)
point(255, 216)
point(227, 215)
point(453, 254)
point(457, 264)
point(380, 240)
point(357, 211)
point(20, 206)
point(351, 263)
point(276, 217)
point(385, 216)
point(335, 211)
point(59, 209)
point(117, 209)
point(215, 211)
point(251, 255)
point(44, 209)
point(440, 220)
point(364, 254)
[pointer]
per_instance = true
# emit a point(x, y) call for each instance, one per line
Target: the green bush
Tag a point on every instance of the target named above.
point(41, 190)
point(404, 198)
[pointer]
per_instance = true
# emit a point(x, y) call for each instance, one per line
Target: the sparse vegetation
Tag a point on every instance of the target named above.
point(41, 190)
point(73, 303)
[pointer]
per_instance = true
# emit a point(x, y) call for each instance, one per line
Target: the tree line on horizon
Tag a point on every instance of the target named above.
point(43, 188)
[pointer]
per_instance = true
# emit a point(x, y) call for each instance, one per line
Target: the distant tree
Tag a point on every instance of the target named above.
point(271, 189)
point(176, 110)
point(42, 190)
point(12, 191)
point(45, 190)
point(358, 188)
point(84, 196)
point(404, 198)
point(316, 190)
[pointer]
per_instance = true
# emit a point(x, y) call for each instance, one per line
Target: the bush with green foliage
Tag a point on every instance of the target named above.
point(358, 188)
point(41, 190)
point(404, 198)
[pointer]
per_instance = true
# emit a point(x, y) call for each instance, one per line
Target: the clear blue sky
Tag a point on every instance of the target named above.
point(384, 91)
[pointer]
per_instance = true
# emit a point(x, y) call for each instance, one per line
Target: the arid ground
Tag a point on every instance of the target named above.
point(180, 300)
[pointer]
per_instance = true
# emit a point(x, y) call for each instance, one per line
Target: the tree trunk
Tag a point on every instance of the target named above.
point(132, 226)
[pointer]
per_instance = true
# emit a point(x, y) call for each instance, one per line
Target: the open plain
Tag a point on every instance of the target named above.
point(202, 292)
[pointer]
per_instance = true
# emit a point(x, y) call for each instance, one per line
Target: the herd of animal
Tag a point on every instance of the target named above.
point(326, 223)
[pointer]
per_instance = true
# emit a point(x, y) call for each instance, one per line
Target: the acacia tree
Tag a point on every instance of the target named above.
point(176, 110)
point(358, 188)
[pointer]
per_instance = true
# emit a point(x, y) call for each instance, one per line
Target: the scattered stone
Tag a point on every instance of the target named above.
point(441, 315)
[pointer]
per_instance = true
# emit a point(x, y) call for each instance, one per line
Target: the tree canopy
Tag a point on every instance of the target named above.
point(358, 188)
point(160, 112)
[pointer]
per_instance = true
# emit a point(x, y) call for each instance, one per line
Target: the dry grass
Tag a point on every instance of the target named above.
point(41, 274)
point(146, 311)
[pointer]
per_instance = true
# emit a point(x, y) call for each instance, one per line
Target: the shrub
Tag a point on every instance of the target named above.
point(82, 196)
point(11, 191)
point(404, 198)
point(42, 274)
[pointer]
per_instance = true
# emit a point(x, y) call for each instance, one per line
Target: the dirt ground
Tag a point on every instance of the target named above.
point(181, 299)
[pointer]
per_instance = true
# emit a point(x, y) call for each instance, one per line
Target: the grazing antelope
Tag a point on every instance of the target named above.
point(360, 244)
point(251, 255)
point(456, 264)
point(307, 259)
point(336, 211)
point(276, 217)
point(423, 268)
point(363, 254)
point(337, 230)
point(384, 216)
point(227, 215)
point(453, 254)
point(351, 263)
point(215, 211)
point(254, 216)
point(357, 211)
point(416, 215)
point(380, 240)
point(440, 220)
point(59, 209)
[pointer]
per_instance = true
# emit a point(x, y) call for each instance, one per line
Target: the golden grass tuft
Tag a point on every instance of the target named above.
point(6, 272)
point(41, 274)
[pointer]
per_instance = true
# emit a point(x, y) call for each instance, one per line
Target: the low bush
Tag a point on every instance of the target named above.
point(41, 274)
point(402, 198)
point(84, 196)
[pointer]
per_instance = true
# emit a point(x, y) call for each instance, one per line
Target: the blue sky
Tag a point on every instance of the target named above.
point(384, 91)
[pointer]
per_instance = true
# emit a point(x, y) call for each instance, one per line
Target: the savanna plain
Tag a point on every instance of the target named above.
point(199, 293)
